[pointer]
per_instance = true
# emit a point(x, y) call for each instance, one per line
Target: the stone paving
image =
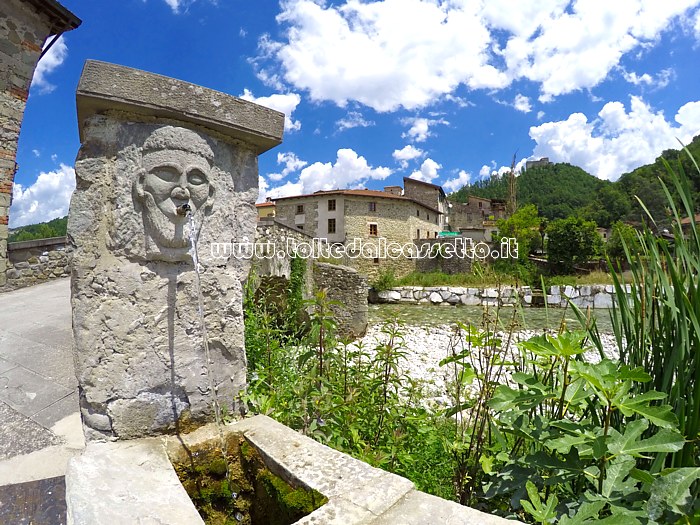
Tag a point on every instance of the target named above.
point(40, 426)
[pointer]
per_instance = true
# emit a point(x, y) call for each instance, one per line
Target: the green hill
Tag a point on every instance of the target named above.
point(560, 190)
point(43, 230)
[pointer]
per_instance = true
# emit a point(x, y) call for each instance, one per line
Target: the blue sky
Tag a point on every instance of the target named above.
point(442, 90)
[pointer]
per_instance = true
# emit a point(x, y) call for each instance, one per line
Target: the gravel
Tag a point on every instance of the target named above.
point(426, 346)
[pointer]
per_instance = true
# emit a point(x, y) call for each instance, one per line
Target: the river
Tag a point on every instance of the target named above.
point(524, 318)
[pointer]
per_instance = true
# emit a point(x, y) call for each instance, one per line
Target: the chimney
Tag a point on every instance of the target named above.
point(394, 190)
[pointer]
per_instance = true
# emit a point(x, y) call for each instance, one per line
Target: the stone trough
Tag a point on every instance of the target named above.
point(127, 482)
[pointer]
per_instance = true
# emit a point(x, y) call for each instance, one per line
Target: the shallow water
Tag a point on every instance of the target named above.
point(524, 318)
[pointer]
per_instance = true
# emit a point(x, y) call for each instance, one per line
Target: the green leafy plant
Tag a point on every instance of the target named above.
point(580, 433)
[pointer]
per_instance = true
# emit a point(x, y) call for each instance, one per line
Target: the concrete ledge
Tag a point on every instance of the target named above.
point(36, 243)
point(126, 482)
point(134, 482)
point(108, 87)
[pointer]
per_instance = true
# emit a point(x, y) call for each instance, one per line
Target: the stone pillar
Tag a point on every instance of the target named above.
point(152, 147)
point(24, 26)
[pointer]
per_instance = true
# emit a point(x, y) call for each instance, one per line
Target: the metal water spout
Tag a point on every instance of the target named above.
point(183, 210)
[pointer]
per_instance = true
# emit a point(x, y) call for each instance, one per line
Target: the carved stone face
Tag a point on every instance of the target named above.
point(169, 179)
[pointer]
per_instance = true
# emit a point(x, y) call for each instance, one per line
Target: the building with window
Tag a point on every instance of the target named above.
point(362, 217)
point(477, 217)
point(265, 209)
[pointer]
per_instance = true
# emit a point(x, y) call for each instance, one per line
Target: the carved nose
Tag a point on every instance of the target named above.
point(180, 193)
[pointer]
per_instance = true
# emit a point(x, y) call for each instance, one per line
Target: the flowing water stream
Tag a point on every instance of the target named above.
point(526, 318)
point(213, 388)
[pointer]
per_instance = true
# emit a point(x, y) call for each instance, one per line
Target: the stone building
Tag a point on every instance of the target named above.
point(363, 222)
point(477, 217)
point(25, 26)
point(544, 161)
point(430, 195)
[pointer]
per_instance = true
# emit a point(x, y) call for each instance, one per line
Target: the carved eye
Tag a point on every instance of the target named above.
point(166, 173)
point(196, 177)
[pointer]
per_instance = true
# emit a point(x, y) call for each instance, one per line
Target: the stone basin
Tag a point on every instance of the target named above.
point(130, 482)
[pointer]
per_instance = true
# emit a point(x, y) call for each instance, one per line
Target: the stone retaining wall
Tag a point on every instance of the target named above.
point(349, 288)
point(593, 296)
point(34, 262)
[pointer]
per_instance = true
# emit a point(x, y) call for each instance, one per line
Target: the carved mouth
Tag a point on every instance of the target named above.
point(183, 210)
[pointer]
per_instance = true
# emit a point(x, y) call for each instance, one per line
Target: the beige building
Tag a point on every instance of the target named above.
point(362, 222)
point(265, 209)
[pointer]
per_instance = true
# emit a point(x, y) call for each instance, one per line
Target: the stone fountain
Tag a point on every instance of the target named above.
point(154, 152)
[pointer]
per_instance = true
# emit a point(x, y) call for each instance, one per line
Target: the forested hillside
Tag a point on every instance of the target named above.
point(43, 230)
point(561, 190)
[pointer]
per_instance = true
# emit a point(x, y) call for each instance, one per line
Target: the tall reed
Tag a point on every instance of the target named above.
point(657, 322)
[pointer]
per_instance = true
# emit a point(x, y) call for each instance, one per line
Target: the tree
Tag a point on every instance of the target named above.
point(571, 241)
point(622, 234)
point(523, 226)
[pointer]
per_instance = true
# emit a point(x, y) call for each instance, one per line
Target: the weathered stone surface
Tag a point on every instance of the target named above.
point(106, 87)
point(602, 300)
point(134, 482)
point(471, 300)
point(347, 288)
point(435, 297)
point(140, 340)
point(418, 508)
point(126, 483)
point(390, 296)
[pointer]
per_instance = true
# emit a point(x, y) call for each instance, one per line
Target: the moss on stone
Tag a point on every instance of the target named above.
point(240, 489)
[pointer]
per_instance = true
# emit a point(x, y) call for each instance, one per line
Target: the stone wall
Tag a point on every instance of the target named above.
point(23, 29)
point(272, 238)
point(349, 288)
point(590, 296)
point(446, 256)
point(342, 283)
point(34, 262)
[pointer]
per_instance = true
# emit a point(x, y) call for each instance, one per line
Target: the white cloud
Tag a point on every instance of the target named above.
point(419, 130)
point(47, 198)
point(384, 54)
point(283, 102)
point(428, 171)
point(696, 27)
point(291, 164)
point(262, 188)
point(36, 153)
point(288, 189)
point(174, 5)
point(617, 141)
point(353, 119)
point(662, 79)
point(540, 115)
point(53, 58)
point(405, 154)
point(388, 54)
point(522, 103)
point(458, 182)
point(577, 48)
point(350, 170)
point(486, 170)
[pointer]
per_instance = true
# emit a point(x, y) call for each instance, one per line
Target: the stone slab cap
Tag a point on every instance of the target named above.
point(104, 86)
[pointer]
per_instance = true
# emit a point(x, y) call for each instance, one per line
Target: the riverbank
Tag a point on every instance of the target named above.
point(599, 296)
point(426, 346)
